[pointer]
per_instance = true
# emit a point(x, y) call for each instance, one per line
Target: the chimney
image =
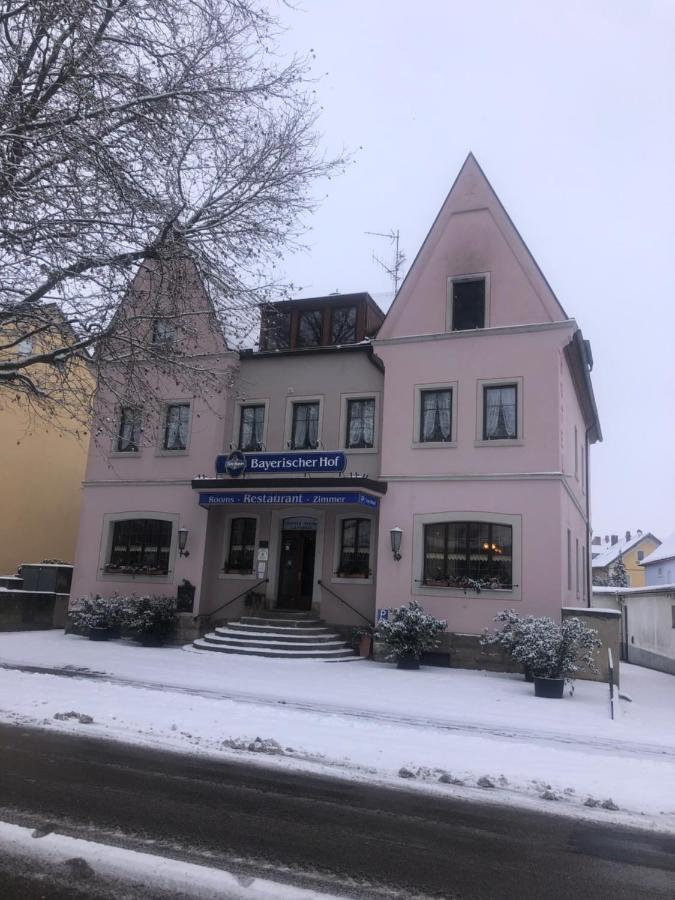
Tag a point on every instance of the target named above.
point(639, 532)
point(628, 535)
point(597, 540)
point(607, 539)
point(615, 539)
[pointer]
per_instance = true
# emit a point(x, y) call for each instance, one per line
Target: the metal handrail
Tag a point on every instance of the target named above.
point(224, 605)
point(342, 600)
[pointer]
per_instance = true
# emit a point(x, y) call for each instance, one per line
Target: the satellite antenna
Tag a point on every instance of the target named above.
point(394, 268)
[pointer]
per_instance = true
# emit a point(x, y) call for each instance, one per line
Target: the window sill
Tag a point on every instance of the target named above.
point(172, 452)
point(433, 445)
point(359, 450)
point(125, 454)
point(337, 579)
point(454, 592)
point(505, 442)
point(127, 576)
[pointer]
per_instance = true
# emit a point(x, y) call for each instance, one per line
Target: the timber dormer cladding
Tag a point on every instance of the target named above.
point(335, 320)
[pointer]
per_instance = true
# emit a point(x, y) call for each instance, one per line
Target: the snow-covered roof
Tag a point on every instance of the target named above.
point(665, 551)
point(608, 554)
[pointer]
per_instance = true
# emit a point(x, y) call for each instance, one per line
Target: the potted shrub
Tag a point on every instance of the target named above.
point(555, 653)
point(408, 633)
point(100, 617)
point(363, 640)
point(151, 619)
point(514, 627)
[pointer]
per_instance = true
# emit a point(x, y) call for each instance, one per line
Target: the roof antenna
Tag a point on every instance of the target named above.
point(394, 269)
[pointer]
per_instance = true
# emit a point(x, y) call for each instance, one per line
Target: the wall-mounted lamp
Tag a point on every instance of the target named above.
point(182, 541)
point(396, 534)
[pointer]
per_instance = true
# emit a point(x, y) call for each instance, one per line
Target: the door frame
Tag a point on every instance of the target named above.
point(276, 527)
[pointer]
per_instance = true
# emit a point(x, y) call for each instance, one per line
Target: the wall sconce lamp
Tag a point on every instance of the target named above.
point(396, 534)
point(182, 541)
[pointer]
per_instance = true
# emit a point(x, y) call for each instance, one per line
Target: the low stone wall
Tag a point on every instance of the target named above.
point(32, 610)
point(607, 622)
point(460, 651)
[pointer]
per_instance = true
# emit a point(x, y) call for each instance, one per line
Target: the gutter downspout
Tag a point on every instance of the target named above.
point(589, 552)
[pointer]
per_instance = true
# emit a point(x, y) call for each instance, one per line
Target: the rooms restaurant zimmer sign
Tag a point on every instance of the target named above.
point(300, 463)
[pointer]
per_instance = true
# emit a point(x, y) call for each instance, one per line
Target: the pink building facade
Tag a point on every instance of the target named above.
point(462, 421)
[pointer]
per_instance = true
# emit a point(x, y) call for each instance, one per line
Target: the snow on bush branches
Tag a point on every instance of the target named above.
point(543, 647)
point(141, 615)
point(410, 631)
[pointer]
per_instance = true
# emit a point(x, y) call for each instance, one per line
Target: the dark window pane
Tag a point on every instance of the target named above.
point(251, 427)
point(355, 549)
point(468, 304)
point(305, 435)
point(176, 424)
point(360, 423)
point(242, 546)
point(163, 331)
point(343, 325)
point(278, 330)
point(129, 435)
point(310, 328)
point(436, 416)
point(500, 412)
point(457, 551)
point(140, 546)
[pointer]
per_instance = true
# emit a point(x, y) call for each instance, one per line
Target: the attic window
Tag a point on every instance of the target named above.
point(468, 303)
point(163, 332)
point(278, 330)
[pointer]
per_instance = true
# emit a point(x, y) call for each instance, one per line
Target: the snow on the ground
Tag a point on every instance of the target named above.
point(365, 720)
point(126, 868)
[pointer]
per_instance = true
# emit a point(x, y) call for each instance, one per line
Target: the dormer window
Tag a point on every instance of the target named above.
point(310, 328)
point(468, 303)
point(278, 330)
point(343, 325)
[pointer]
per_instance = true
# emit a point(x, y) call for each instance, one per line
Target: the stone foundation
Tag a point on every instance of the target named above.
point(460, 651)
point(32, 610)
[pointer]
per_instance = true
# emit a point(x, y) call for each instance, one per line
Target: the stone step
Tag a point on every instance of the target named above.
point(272, 629)
point(327, 655)
point(281, 621)
point(218, 638)
point(287, 638)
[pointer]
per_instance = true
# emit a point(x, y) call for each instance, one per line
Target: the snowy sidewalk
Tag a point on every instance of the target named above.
point(365, 720)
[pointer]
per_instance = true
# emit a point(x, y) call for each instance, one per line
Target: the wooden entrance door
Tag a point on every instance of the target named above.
point(296, 569)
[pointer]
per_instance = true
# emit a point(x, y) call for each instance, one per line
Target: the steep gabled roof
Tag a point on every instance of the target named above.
point(471, 192)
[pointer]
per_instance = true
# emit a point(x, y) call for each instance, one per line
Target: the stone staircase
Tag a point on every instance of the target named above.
point(280, 635)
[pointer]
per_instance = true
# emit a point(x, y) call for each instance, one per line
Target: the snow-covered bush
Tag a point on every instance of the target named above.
point(513, 628)
point(151, 615)
point(550, 650)
point(410, 631)
point(99, 612)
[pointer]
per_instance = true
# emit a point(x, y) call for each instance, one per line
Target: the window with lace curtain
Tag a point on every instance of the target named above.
point(251, 427)
point(129, 433)
point(305, 426)
point(500, 412)
point(176, 425)
point(241, 546)
point(354, 561)
point(436, 416)
point(457, 551)
point(360, 423)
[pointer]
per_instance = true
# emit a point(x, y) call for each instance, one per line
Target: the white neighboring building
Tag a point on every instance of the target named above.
point(659, 566)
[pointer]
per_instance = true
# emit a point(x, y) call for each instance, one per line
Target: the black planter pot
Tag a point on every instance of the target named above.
point(100, 634)
point(552, 688)
point(407, 661)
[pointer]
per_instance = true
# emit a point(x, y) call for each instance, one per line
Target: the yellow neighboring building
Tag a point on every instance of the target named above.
point(633, 548)
point(42, 464)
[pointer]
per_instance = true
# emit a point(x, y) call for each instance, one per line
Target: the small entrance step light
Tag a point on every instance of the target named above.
point(396, 534)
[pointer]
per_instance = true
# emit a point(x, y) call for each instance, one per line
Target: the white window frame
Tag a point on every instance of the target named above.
point(452, 386)
point(109, 520)
point(339, 519)
point(288, 425)
point(483, 383)
point(344, 405)
point(160, 449)
point(128, 454)
point(485, 276)
point(506, 594)
point(263, 401)
point(227, 530)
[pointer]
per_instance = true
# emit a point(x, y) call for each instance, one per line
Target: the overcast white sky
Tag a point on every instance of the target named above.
point(569, 108)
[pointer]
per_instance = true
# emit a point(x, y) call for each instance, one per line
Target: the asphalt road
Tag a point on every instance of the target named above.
point(314, 831)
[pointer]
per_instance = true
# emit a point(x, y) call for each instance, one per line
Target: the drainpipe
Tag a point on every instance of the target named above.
point(589, 552)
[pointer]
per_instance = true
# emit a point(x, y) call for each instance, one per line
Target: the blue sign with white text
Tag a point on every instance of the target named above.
point(337, 498)
point(298, 463)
